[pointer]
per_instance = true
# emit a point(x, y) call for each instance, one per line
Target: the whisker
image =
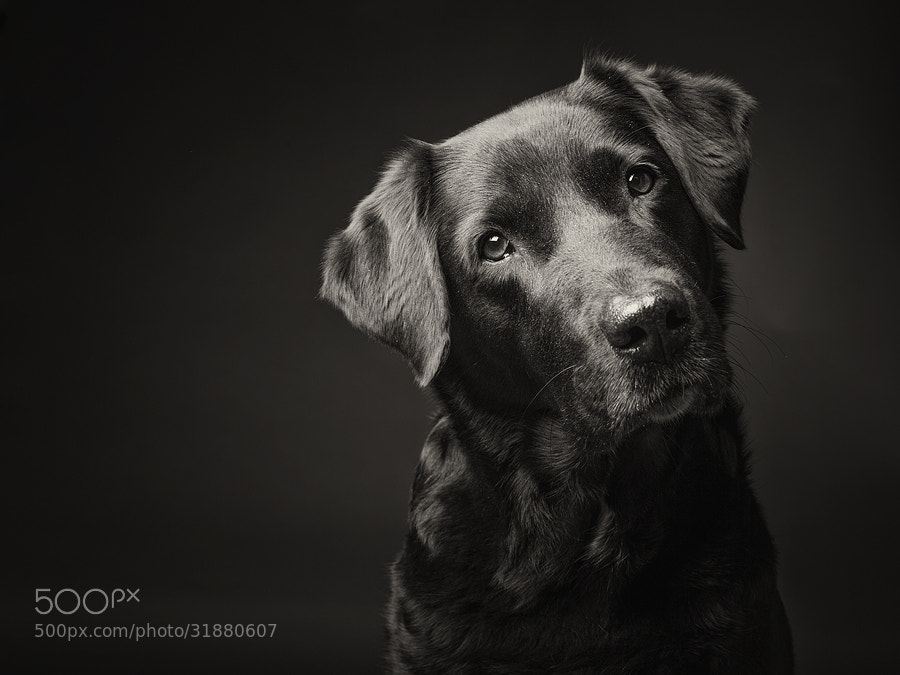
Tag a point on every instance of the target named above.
point(751, 326)
point(748, 372)
point(737, 291)
point(546, 384)
point(750, 321)
point(733, 344)
point(759, 335)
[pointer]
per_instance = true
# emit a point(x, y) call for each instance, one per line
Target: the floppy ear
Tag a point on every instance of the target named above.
point(702, 123)
point(383, 272)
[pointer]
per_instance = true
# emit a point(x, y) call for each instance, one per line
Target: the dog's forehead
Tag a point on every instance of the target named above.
point(538, 143)
point(516, 168)
point(553, 126)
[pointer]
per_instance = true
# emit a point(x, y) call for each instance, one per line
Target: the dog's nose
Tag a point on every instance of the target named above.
point(650, 326)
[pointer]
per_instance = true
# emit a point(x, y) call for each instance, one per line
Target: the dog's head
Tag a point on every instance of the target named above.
point(559, 256)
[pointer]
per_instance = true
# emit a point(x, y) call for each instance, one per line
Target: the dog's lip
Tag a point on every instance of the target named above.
point(672, 406)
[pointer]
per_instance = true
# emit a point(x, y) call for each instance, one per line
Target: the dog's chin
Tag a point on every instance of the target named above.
point(673, 407)
point(669, 410)
point(640, 400)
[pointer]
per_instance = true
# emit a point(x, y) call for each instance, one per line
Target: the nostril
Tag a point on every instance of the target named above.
point(636, 335)
point(625, 337)
point(676, 318)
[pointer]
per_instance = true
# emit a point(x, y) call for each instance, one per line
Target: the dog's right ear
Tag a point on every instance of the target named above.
point(383, 271)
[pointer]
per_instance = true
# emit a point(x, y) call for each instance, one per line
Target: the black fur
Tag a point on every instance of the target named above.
point(583, 502)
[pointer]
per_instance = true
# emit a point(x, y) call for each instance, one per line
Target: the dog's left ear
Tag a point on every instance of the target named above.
point(383, 271)
point(702, 122)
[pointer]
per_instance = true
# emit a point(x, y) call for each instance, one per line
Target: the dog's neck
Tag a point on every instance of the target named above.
point(564, 457)
point(621, 504)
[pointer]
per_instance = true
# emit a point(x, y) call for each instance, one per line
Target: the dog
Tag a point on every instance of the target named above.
point(553, 275)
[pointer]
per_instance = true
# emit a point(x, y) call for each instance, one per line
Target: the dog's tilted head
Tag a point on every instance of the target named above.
point(559, 258)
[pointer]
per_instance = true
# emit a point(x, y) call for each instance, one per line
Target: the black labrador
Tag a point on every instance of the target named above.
point(582, 503)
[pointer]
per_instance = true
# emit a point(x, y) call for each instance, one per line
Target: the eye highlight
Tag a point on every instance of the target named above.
point(640, 180)
point(494, 246)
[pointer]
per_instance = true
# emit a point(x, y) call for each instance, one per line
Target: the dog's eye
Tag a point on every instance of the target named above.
point(640, 180)
point(494, 246)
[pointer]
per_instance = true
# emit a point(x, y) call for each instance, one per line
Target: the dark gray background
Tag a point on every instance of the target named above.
point(183, 416)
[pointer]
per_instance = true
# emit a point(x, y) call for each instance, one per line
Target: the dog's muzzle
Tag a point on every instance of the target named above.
point(653, 325)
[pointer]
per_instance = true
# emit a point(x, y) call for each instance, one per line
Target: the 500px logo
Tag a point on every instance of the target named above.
point(93, 600)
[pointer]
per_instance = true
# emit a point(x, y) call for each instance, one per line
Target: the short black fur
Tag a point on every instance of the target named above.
point(583, 502)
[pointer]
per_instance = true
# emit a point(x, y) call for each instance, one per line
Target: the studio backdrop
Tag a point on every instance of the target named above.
point(192, 440)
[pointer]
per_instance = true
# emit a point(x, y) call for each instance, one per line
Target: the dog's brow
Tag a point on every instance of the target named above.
point(529, 218)
point(598, 176)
